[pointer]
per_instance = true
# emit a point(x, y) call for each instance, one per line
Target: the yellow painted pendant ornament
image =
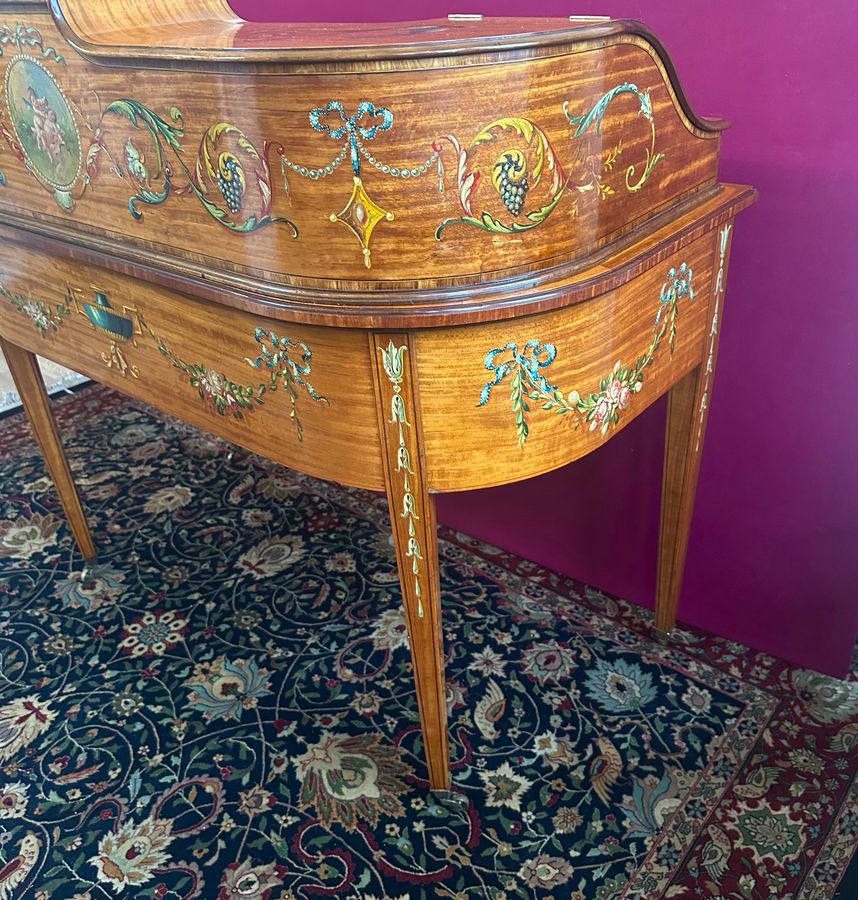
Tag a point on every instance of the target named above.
point(360, 215)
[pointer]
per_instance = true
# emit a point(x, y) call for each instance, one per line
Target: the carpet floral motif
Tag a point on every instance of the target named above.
point(222, 706)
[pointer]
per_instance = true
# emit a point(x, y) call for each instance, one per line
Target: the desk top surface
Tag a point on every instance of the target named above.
point(209, 28)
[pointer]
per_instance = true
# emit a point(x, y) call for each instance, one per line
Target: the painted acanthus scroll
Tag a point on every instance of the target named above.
point(509, 178)
point(517, 159)
point(63, 142)
point(600, 408)
point(592, 121)
point(231, 177)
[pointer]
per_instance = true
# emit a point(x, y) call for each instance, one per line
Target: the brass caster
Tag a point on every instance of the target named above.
point(663, 637)
point(88, 563)
point(452, 799)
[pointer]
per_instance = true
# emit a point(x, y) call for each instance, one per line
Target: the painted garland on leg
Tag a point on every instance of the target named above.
point(394, 368)
point(718, 291)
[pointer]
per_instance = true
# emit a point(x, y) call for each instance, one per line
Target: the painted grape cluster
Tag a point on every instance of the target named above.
point(510, 176)
point(230, 180)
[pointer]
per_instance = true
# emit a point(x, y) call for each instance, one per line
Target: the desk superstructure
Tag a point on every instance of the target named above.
point(415, 257)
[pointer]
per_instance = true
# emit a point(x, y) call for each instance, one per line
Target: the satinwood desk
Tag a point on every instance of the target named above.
point(416, 257)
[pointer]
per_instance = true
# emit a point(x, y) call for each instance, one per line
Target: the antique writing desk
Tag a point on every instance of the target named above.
point(417, 257)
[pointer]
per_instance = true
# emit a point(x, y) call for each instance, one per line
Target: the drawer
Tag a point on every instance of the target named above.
point(527, 395)
point(297, 394)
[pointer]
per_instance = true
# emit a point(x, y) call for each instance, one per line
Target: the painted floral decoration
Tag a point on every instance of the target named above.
point(44, 316)
point(601, 408)
point(277, 357)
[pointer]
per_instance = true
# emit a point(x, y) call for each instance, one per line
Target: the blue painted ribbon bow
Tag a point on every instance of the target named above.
point(350, 127)
point(676, 286)
point(533, 357)
point(280, 357)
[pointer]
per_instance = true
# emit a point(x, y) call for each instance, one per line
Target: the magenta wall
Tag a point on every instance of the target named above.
point(773, 558)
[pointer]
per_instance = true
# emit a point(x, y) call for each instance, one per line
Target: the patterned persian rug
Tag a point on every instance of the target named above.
point(56, 379)
point(223, 706)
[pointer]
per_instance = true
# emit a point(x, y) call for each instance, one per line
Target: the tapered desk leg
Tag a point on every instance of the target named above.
point(687, 411)
point(34, 398)
point(681, 466)
point(412, 516)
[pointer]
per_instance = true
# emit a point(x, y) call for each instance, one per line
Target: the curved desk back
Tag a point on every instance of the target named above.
point(422, 157)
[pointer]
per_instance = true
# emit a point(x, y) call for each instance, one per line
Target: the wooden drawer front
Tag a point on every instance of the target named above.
point(299, 395)
point(528, 395)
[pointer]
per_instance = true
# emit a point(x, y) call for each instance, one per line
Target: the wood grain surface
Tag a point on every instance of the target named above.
point(426, 308)
point(469, 445)
point(31, 389)
point(339, 438)
point(685, 430)
point(415, 537)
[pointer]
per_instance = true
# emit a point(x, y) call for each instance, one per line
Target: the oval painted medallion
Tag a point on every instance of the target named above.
point(43, 122)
